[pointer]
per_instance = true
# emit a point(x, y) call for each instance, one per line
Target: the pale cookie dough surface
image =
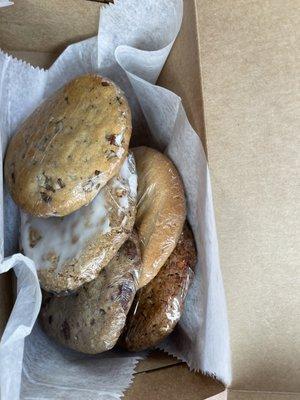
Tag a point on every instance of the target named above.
point(158, 306)
point(70, 251)
point(92, 320)
point(161, 209)
point(69, 148)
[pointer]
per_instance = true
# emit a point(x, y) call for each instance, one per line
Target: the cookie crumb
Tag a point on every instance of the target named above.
point(34, 237)
point(75, 239)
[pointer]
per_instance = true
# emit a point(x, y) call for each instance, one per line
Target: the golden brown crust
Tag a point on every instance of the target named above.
point(161, 209)
point(158, 306)
point(92, 320)
point(69, 148)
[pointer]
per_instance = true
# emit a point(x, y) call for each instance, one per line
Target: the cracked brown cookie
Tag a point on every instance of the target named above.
point(69, 148)
point(92, 320)
point(158, 306)
point(70, 251)
point(161, 209)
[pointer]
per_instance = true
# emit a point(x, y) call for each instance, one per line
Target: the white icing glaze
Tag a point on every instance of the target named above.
point(127, 173)
point(120, 152)
point(68, 236)
point(119, 138)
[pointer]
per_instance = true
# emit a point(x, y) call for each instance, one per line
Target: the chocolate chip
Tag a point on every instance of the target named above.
point(67, 99)
point(103, 83)
point(119, 100)
point(61, 183)
point(97, 172)
point(111, 139)
point(65, 328)
point(50, 319)
point(12, 172)
point(45, 197)
point(50, 188)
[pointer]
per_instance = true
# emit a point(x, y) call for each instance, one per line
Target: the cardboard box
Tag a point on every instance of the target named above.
point(235, 66)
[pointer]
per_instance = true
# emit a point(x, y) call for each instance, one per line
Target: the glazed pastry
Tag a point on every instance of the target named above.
point(92, 320)
point(158, 306)
point(69, 148)
point(72, 250)
point(161, 209)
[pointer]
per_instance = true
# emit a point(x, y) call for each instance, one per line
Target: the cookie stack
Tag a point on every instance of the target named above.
point(105, 225)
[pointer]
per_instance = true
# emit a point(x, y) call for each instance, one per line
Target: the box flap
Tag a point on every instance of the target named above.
point(249, 54)
point(173, 383)
point(47, 26)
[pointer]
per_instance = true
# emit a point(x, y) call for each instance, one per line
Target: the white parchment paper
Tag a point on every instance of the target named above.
point(134, 41)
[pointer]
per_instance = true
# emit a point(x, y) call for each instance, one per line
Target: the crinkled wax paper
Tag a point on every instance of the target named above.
point(135, 38)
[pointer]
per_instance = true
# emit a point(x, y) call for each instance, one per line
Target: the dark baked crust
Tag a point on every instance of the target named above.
point(92, 320)
point(158, 306)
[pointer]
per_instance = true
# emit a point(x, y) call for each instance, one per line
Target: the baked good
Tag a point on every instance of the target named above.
point(69, 148)
point(71, 250)
point(158, 306)
point(92, 320)
point(161, 209)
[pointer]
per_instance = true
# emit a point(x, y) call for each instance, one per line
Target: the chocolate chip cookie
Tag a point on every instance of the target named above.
point(92, 320)
point(158, 306)
point(69, 148)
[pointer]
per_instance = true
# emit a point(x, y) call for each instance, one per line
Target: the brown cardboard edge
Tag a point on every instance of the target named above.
point(260, 395)
point(186, 58)
point(6, 299)
point(156, 360)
